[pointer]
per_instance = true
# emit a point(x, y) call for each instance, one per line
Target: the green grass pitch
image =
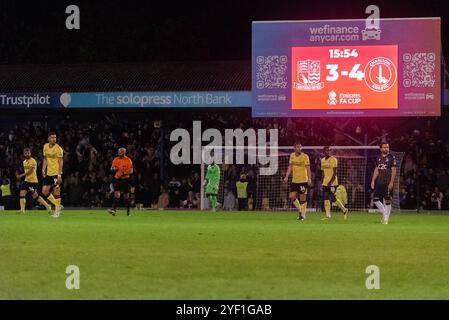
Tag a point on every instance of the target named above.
point(224, 255)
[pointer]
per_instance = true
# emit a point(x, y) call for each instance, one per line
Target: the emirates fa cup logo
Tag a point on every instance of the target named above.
point(332, 101)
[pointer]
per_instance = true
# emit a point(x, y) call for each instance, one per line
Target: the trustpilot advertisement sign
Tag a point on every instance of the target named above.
point(182, 99)
point(29, 100)
point(346, 67)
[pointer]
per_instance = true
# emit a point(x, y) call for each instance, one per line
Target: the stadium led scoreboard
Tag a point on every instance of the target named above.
point(344, 68)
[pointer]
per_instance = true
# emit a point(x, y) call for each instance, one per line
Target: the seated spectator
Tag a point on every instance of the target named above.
point(75, 192)
point(196, 183)
point(91, 199)
point(140, 195)
point(184, 190)
point(436, 199)
point(163, 199)
point(173, 191)
point(426, 200)
point(191, 201)
point(154, 190)
point(265, 202)
point(410, 199)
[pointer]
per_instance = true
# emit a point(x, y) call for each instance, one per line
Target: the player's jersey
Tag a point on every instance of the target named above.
point(52, 154)
point(299, 167)
point(27, 165)
point(327, 166)
point(213, 174)
point(384, 165)
point(123, 166)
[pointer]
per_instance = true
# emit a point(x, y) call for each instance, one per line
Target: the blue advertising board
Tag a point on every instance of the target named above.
point(183, 99)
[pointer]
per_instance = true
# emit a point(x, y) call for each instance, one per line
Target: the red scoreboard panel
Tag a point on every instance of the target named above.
point(349, 77)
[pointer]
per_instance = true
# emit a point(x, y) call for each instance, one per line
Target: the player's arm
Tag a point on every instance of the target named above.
point(393, 172)
point(287, 174)
point(334, 172)
point(393, 176)
point(218, 171)
point(129, 170)
point(334, 175)
point(206, 178)
point(217, 178)
point(25, 173)
point(19, 175)
point(44, 167)
point(309, 175)
point(61, 164)
point(375, 175)
point(114, 166)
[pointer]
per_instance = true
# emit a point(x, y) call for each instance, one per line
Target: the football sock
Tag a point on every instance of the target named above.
point(22, 204)
point(387, 211)
point(327, 208)
point(115, 203)
point(43, 202)
point(58, 202)
point(297, 204)
point(340, 205)
point(128, 204)
point(213, 201)
point(381, 207)
point(52, 199)
point(304, 209)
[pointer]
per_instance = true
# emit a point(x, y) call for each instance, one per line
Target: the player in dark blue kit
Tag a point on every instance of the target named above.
point(383, 181)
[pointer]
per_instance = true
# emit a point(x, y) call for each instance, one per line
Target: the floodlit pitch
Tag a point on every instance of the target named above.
point(223, 255)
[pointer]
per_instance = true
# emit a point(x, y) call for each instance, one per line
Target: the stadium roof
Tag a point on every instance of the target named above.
point(157, 76)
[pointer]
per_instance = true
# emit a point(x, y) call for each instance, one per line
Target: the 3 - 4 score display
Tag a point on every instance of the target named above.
point(346, 77)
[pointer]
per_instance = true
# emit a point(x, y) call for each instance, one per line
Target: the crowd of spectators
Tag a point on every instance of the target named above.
point(90, 139)
point(90, 142)
point(89, 147)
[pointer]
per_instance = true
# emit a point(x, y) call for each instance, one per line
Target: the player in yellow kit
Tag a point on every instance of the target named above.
point(299, 167)
point(52, 173)
point(30, 183)
point(329, 166)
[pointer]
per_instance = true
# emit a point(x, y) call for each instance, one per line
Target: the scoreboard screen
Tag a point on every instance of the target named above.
point(340, 68)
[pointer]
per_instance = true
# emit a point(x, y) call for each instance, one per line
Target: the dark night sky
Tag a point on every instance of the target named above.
point(128, 31)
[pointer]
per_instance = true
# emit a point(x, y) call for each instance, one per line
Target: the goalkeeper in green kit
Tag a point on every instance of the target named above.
point(212, 183)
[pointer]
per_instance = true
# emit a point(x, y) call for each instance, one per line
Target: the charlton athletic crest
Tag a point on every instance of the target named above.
point(308, 76)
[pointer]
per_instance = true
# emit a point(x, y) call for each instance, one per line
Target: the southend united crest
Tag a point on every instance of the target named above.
point(308, 76)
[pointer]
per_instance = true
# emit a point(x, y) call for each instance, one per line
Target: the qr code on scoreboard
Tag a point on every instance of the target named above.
point(419, 69)
point(271, 72)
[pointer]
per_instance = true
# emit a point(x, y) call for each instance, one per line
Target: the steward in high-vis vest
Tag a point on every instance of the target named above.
point(242, 193)
point(5, 188)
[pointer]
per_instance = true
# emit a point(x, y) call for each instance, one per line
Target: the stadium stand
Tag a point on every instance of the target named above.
point(91, 142)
